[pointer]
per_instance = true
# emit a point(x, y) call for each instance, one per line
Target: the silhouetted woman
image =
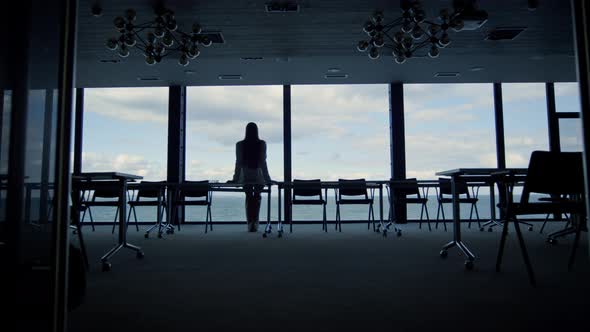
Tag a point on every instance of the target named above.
point(251, 170)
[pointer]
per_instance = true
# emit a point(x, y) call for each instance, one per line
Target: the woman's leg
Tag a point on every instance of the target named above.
point(256, 199)
point(250, 208)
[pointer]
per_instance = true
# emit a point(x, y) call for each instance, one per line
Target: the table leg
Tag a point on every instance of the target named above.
point(457, 229)
point(106, 265)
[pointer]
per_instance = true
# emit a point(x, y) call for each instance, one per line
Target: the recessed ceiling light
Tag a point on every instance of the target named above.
point(446, 74)
point(189, 72)
point(282, 59)
point(334, 70)
point(335, 76)
point(148, 78)
point(230, 77)
point(476, 68)
point(252, 58)
point(109, 60)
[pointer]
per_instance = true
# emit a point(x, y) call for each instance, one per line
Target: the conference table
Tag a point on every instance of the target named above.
point(175, 188)
point(372, 185)
point(471, 175)
point(110, 180)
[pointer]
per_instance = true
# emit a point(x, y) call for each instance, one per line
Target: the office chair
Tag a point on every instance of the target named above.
point(309, 189)
point(194, 193)
point(552, 173)
point(155, 194)
point(354, 188)
point(444, 195)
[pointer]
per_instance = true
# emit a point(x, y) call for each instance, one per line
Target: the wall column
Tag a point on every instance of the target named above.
point(397, 143)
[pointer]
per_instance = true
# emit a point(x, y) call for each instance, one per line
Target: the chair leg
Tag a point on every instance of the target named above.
point(128, 217)
point(337, 216)
point(82, 246)
point(437, 215)
point(525, 255)
point(325, 220)
point(136, 221)
point(576, 242)
point(502, 243)
point(427, 217)
point(421, 214)
point(544, 223)
point(477, 216)
point(470, 216)
point(115, 220)
point(444, 219)
point(373, 214)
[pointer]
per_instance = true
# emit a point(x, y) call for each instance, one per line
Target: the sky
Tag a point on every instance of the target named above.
point(338, 131)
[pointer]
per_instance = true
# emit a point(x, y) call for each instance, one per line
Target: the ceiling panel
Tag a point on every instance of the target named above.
point(299, 48)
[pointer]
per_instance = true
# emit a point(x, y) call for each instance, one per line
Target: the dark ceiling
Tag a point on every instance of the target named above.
point(300, 48)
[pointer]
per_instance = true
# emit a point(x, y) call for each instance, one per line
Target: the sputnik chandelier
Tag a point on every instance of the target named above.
point(407, 34)
point(162, 37)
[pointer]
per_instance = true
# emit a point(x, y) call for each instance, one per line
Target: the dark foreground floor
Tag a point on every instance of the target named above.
point(351, 281)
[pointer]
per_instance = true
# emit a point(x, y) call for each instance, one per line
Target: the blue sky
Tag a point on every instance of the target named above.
point(339, 131)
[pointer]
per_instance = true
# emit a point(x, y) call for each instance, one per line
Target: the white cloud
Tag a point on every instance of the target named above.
point(125, 163)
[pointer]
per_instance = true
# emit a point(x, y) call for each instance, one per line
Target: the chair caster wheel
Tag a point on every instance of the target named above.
point(490, 229)
point(384, 233)
point(481, 229)
point(146, 235)
point(264, 235)
point(159, 235)
point(552, 241)
point(530, 228)
point(443, 254)
point(140, 254)
point(106, 266)
point(469, 265)
point(399, 233)
point(74, 232)
point(280, 234)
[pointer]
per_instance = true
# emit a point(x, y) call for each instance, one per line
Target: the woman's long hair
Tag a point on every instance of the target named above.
point(252, 146)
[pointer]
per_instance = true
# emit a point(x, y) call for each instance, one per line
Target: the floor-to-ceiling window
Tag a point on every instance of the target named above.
point(216, 120)
point(525, 121)
point(449, 126)
point(567, 104)
point(126, 130)
point(339, 132)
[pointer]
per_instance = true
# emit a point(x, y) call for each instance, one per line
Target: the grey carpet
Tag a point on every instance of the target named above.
point(356, 280)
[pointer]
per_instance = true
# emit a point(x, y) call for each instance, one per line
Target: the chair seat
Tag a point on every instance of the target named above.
point(146, 203)
point(355, 201)
point(308, 201)
point(185, 202)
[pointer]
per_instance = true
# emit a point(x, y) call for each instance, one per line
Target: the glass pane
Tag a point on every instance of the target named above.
point(125, 130)
point(567, 97)
point(449, 126)
point(570, 135)
point(525, 121)
point(4, 140)
point(216, 121)
point(339, 131)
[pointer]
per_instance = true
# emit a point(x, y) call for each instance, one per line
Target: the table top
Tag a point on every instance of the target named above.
point(481, 171)
point(106, 176)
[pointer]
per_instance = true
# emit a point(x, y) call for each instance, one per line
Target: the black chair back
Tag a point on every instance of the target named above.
point(196, 189)
point(408, 187)
point(106, 193)
point(352, 187)
point(150, 189)
point(445, 187)
point(307, 188)
point(554, 173)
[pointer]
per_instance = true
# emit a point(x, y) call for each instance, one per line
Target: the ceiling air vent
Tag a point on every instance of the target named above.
point(281, 7)
point(230, 77)
point(446, 74)
point(109, 60)
point(148, 78)
point(215, 36)
point(335, 76)
point(504, 33)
